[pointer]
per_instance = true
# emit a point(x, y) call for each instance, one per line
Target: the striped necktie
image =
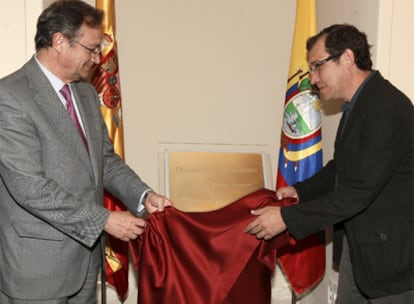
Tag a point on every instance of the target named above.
point(72, 113)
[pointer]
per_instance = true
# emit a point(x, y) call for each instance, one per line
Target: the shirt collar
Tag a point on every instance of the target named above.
point(347, 107)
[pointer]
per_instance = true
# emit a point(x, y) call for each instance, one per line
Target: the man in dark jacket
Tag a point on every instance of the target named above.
point(367, 188)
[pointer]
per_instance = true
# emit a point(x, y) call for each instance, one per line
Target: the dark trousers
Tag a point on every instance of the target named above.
point(349, 293)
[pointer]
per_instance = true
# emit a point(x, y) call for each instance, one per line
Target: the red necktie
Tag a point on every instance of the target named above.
point(72, 113)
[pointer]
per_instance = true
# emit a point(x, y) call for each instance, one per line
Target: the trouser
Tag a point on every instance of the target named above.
point(348, 291)
point(86, 295)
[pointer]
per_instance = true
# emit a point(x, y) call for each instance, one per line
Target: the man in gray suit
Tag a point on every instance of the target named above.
point(52, 183)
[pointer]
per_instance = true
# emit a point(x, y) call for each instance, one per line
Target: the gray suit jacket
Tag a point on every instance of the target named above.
point(51, 189)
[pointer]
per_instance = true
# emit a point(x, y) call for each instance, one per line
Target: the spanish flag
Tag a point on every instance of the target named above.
point(300, 154)
point(106, 82)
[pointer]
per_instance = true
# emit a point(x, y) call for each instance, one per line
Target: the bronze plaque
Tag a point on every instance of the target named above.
point(203, 181)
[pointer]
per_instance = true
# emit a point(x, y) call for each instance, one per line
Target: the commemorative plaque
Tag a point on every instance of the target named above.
point(203, 181)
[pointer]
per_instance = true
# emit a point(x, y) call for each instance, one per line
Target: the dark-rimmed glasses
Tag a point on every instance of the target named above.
point(313, 68)
point(93, 51)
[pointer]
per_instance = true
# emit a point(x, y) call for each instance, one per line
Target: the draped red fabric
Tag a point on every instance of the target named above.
point(205, 257)
point(303, 263)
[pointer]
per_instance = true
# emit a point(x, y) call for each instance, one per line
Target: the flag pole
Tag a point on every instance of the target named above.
point(103, 274)
point(105, 79)
point(300, 153)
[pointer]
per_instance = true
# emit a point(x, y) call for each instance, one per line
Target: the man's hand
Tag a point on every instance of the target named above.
point(124, 226)
point(156, 202)
point(286, 192)
point(268, 223)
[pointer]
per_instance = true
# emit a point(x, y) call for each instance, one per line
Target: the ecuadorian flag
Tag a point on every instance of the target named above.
point(300, 154)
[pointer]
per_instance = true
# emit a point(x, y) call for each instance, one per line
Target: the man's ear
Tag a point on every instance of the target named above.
point(349, 56)
point(57, 41)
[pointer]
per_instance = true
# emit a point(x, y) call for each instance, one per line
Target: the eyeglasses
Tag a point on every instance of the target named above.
point(313, 68)
point(93, 51)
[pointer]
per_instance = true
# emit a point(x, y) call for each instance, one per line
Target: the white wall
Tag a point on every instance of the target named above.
point(214, 72)
point(17, 29)
point(205, 72)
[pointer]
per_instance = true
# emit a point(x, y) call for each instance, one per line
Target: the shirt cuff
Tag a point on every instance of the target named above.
point(141, 206)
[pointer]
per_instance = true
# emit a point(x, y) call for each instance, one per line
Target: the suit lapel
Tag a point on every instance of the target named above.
point(85, 106)
point(56, 114)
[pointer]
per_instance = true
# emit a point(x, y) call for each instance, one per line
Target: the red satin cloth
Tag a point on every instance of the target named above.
point(206, 257)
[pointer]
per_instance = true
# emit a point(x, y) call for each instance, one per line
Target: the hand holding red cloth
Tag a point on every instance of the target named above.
point(205, 257)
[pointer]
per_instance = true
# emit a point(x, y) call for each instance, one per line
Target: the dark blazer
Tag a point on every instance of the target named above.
point(51, 189)
point(368, 187)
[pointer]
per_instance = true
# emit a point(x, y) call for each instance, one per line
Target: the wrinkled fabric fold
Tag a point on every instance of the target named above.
point(206, 257)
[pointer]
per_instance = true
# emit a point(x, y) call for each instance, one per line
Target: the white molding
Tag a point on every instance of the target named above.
point(383, 56)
